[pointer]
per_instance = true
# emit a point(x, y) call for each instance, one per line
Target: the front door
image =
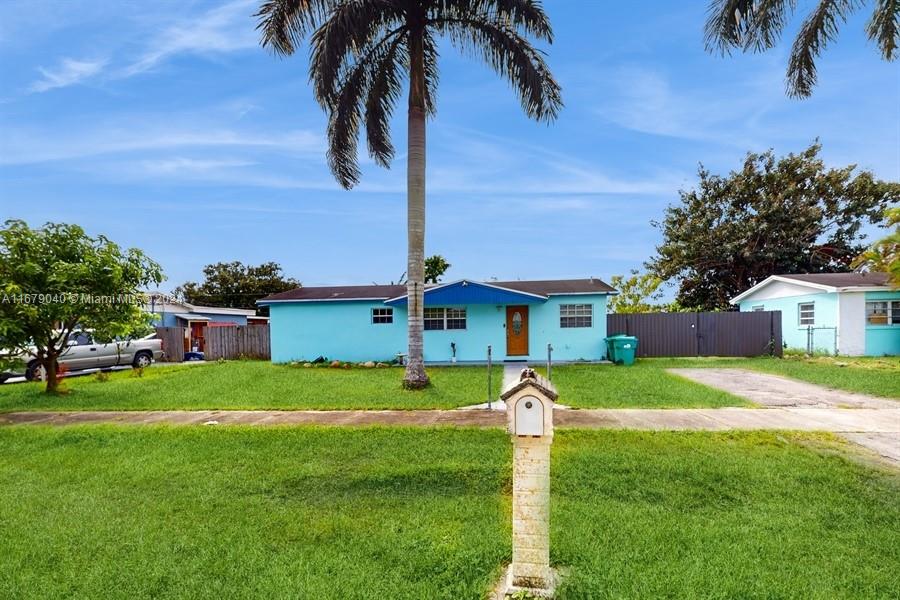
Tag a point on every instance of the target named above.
point(516, 330)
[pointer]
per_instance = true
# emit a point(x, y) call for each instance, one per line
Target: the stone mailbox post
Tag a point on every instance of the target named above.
point(529, 408)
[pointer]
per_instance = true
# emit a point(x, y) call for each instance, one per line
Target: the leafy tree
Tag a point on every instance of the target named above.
point(757, 25)
point(57, 278)
point(637, 293)
point(363, 50)
point(884, 255)
point(236, 285)
point(435, 267)
point(774, 216)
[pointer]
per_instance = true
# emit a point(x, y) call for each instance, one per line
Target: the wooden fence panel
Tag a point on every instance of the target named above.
point(243, 341)
point(701, 334)
point(172, 343)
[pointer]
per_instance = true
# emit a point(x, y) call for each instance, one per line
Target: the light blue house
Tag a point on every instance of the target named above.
point(855, 314)
point(516, 318)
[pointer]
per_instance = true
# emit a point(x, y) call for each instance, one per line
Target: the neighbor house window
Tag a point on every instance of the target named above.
point(759, 308)
point(382, 315)
point(576, 315)
point(445, 318)
point(883, 312)
point(806, 313)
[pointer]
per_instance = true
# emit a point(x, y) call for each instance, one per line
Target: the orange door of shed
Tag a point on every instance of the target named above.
point(516, 330)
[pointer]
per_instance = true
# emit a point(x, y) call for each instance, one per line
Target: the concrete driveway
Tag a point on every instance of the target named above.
point(809, 402)
point(773, 390)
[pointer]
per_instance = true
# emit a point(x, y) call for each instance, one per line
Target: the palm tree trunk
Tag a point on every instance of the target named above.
point(415, 377)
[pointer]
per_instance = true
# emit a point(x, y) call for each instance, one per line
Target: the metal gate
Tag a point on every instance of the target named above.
point(701, 334)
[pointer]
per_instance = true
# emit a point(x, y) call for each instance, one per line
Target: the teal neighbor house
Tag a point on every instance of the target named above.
point(855, 314)
point(518, 319)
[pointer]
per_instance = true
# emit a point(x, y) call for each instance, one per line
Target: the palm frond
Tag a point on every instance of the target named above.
point(726, 23)
point(754, 25)
point(820, 28)
point(527, 14)
point(384, 90)
point(884, 27)
point(350, 29)
point(343, 125)
point(512, 56)
point(432, 73)
point(284, 23)
point(768, 20)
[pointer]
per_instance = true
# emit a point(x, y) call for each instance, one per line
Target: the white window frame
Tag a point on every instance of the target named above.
point(811, 317)
point(447, 318)
point(758, 308)
point(382, 316)
point(575, 316)
point(891, 313)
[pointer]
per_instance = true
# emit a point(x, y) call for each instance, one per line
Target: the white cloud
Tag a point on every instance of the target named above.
point(224, 29)
point(69, 72)
point(644, 100)
point(227, 28)
point(20, 147)
point(180, 164)
point(475, 162)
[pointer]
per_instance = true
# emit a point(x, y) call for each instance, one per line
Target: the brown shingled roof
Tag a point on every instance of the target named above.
point(841, 279)
point(384, 292)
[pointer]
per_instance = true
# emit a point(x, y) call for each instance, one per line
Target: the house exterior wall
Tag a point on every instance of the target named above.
point(794, 334)
point(851, 326)
point(844, 310)
point(344, 331)
point(882, 340)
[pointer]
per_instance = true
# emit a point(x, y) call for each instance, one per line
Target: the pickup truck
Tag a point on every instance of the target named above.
point(83, 353)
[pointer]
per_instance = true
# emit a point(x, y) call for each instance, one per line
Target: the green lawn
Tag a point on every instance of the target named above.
point(867, 375)
point(256, 384)
point(646, 384)
point(91, 512)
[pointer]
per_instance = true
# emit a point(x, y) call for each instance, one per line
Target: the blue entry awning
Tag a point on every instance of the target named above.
point(471, 292)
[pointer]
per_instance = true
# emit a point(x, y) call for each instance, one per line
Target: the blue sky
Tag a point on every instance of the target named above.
point(164, 126)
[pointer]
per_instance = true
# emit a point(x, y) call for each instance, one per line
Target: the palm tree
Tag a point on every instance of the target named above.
point(756, 26)
point(362, 52)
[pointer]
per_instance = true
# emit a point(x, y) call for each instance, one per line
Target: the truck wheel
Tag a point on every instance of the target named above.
point(141, 360)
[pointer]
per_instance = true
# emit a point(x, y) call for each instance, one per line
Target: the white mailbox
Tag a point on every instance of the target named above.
point(529, 408)
point(529, 405)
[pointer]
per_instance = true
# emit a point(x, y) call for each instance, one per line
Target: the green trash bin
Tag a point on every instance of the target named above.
point(621, 349)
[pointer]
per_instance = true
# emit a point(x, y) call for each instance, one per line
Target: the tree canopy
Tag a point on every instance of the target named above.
point(435, 267)
point(236, 285)
point(773, 216)
point(884, 255)
point(56, 278)
point(638, 293)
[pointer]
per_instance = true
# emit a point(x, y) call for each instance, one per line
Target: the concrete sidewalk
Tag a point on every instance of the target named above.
point(876, 429)
point(876, 421)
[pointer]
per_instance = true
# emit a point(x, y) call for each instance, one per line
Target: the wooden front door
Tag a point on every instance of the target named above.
point(516, 330)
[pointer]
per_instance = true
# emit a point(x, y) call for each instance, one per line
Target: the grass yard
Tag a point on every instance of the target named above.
point(255, 384)
point(89, 512)
point(646, 384)
point(878, 376)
